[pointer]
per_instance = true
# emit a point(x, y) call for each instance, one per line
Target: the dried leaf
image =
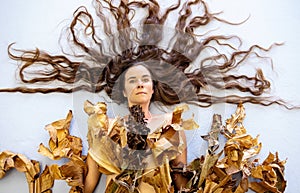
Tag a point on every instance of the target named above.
point(61, 144)
point(6, 162)
point(189, 124)
point(102, 148)
point(270, 174)
point(46, 180)
point(55, 172)
point(74, 172)
point(177, 113)
point(117, 131)
point(58, 130)
point(161, 179)
point(209, 162)
point(234, 124)
point(107, 154)
point(213, 135)
point(30, 168)
point(97, 120)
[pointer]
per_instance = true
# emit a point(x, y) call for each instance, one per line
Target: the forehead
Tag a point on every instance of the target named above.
point(137, 71)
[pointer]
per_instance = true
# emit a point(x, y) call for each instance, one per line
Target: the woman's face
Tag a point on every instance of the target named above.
point(138, 86)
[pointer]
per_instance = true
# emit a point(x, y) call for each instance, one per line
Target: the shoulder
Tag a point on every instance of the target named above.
point(165, 118)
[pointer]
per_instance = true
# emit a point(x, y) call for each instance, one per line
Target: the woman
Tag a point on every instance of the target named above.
point(138, 89)
point(100, 55)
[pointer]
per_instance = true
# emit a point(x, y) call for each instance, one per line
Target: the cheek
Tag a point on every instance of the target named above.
point(150, 88)
point(127, 90)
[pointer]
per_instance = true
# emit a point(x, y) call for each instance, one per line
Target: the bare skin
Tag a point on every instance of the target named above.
point(138, 91)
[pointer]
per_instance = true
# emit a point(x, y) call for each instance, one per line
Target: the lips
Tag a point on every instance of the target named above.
point(140, 93)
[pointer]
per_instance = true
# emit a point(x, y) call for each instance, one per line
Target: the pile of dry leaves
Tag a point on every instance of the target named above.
point(234, 168)
point(230, 169)
point(61, 145)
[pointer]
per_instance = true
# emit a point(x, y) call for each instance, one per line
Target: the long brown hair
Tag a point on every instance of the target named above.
point(108, 42)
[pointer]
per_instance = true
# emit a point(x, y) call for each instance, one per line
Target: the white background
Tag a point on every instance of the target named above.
point(35, 23)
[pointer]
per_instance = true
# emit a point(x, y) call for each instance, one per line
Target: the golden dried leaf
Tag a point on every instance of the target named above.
point(177, 113)
point(270, 174)
point(55, 172)
point(117, 131)
point(234, 124)
point(29, 167)
point(189, 124)
point(74, 172)
point(209, 162)
point(6, 162)
point(160, 179)
point(209, 186)
point(262, 187)
point(58, 130)
point(171, 135)
point(97, 120)
point(107, 154)
point(46, 152)
point(61, 144)
point(76, 145)
point(75, 189)
point(243, 186)
point(46, 180)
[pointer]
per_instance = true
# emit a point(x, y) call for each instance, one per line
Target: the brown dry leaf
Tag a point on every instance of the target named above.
point(162, 147)
point(74, 172)
point(170, 134)
point(76, 145)
point(61, 144)
point(161, 179)
point(31, 168)
point(209, 186)
point(2, 173)
point(257, 187)
point(243, 186)
point(234, 124)
point(102, 148)
point(262, 187)
point(75, 189)
point(55, 172)
point(209, 162)
point(189, 124)
point(238, 150)
point(213, 135)
point(117, 131)
point(46, 152)
point(107, 154)
point(6, 162)
point(46, 180)
point(97, 120)
point(58, 130)
point(240, 146)
point(232, 173)
point(169, 143)
point(270, 174)
point(177, 113)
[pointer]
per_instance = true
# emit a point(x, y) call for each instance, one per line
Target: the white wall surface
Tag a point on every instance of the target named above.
point(35, 23)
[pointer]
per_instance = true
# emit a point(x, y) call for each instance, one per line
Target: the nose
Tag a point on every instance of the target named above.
point(140, 84)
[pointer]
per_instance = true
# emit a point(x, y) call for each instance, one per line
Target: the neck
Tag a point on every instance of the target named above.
point(145, 109)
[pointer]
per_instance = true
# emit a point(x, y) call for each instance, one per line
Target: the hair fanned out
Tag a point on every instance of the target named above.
point(104, 44)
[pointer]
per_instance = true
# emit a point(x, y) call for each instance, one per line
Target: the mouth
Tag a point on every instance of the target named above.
point(141, 93)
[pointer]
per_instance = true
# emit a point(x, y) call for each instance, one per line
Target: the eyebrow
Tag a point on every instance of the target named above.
point(133, 77)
